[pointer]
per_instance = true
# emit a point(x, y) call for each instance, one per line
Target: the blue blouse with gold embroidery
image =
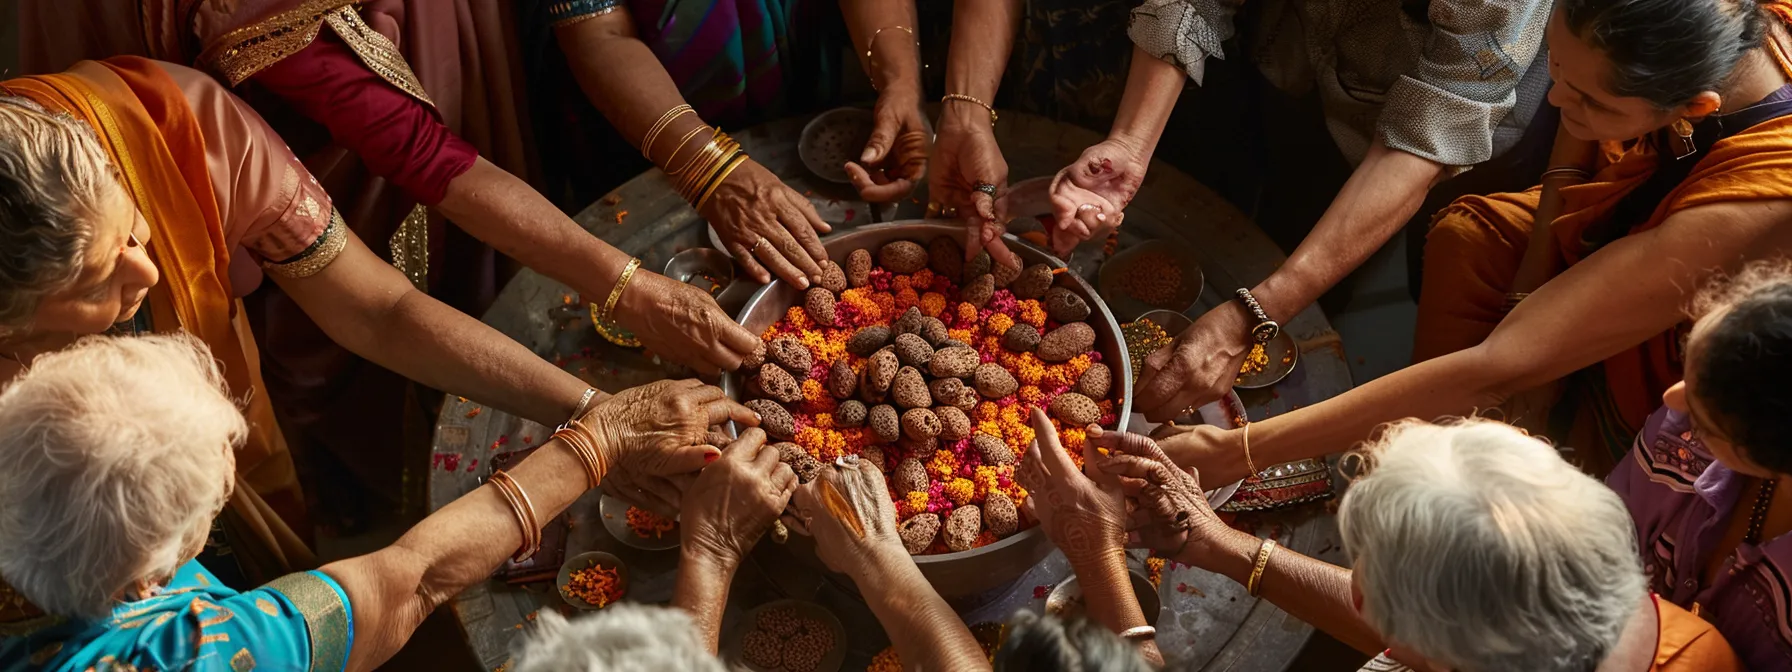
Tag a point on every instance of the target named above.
point(298, 623)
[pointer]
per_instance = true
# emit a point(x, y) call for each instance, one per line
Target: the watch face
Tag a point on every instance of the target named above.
point(1265, 332)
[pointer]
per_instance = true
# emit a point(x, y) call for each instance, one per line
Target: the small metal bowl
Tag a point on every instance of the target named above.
point(614, 513)
point(1173, 324)
point(704, 268)
point(832, 138)
point(734, 646)
point(586, 561)
point(1066, 600)
point(1283, 355)
point(1127, 307)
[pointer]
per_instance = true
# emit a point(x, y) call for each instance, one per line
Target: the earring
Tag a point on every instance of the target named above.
point(1683, 132)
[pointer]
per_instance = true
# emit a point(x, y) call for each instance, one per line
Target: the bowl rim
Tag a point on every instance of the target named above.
point(931, 228)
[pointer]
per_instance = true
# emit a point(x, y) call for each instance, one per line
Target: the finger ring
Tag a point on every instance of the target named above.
point(755, 247)
point(986, 188)
point(949, 213)
point(933, 209)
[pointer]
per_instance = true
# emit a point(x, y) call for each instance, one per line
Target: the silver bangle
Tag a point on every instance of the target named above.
point(1139, 633)
point(584, 403)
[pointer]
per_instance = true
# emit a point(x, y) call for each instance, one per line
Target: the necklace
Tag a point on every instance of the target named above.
point(1758, 517)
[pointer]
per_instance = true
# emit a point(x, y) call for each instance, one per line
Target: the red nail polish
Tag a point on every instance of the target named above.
point(710, 457)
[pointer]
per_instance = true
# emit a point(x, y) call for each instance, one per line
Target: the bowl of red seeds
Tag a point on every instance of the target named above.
point(928, 364)
point(592, 580)
point(788, 636)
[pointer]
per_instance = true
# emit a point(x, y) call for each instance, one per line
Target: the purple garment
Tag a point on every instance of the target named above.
point(1680, 496)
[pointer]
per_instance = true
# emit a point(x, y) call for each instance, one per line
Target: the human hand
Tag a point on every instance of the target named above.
point(683, 323)
point(765, 224)
point(895, 158)
point(1173, 515)
point(1086, 517)
point(652, 435)
point(1217, 453)
point(847, 509)
point(966, 154)
point(735, 499)
point(1089, 196)
point(1197, 368)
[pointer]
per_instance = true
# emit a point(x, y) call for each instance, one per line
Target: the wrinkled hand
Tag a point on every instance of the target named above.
point(655, 433)
point(754, 205)
point(895, 158)
point(1196, 369)
point(683, 323)
point(1089, 196)
point(848, 511)
point(736, 498)
point(965, 153)
point(1172, 509)
point(1086, 517)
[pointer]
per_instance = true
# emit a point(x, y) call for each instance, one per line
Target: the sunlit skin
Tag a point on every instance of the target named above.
point(115, 277)
point(1590, 111)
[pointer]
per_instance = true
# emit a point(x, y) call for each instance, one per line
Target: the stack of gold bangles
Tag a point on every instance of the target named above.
point(704, 171)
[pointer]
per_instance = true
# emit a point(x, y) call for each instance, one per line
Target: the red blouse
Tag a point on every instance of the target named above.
point(396, 135)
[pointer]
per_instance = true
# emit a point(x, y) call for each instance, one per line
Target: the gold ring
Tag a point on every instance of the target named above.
point(755, 247)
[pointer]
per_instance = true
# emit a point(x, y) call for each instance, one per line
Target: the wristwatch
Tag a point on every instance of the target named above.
point(1266, 329)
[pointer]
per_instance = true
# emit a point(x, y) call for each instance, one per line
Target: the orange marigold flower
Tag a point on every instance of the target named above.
point(987, 410)
point(824, 420)
point(905, 298)
point(985, 478)
point(932, 304)
point(1031, 395)
point(1020, 437)
point(1032, 313)
point(922, 280)
point(999, 324)
point(990, 427)
point(797, 320)
point(967, 313)
point(1074, 439)
point(960, 490)
point(886, 305)
point(811, 439)
point(899, 283)
point(964, 336)
point(1056, 376)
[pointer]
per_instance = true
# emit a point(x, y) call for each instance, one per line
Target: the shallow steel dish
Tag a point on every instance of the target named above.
point(979, 570)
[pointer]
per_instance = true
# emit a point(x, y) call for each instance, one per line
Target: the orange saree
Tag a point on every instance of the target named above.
point(1475, 246)
point(145, 124)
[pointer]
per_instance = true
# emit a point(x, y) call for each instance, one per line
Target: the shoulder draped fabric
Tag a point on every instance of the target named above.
point(298, 622)
point(1476, 242)
point(146, 127)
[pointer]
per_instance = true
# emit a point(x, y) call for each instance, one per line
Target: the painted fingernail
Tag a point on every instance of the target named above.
point(1101, 216)
point(711, 456)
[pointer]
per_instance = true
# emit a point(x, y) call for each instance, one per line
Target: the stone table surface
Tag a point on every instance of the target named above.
point(1208, 622)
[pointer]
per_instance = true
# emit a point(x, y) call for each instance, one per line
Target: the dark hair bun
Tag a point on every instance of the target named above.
point(1741, 368)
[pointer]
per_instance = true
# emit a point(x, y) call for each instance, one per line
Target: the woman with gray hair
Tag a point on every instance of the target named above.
point(138, 196)
point(1474, 548)
point(121, 451)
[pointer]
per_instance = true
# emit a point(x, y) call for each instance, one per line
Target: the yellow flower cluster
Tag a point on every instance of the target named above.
point(1031, 395)
point(1074, 439)
point(886, 661)
point(1027, 367)
point(863, 300)
point(943, 466)
point(987, 411)
point(827, 345)
point(984, 478)
point(798, 320)
point(816, 398)
point(960, 491)
point(964, 336)
point(967, 313)
point(915, 502)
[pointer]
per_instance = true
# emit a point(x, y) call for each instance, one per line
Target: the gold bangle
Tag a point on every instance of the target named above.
point(1263, 552)
point(968, 99)
point(681, 143)
point(738, 159)
point(691, 184)
point(1566, 171)
point(701, 163)
point(628, 273)
point(577, 438)
point(659, 126)
point(1513, 299)
point(1248, 464)
point(674, 172)
point(871, 62)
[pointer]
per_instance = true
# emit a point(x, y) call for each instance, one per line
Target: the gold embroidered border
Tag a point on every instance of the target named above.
point(314, 259)
point(326, 618)
point(379, 53)
point(241, 53)
point(410, 248)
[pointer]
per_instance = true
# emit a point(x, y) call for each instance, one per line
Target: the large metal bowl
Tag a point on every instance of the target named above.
point(979, 570)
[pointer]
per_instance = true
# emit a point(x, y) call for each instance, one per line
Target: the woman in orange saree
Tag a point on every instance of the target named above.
point(1705, 84)
point(405, 112)
point(195, 191)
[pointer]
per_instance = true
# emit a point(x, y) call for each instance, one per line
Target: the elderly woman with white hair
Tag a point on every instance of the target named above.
point(120, 452)
point(1473, 546)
